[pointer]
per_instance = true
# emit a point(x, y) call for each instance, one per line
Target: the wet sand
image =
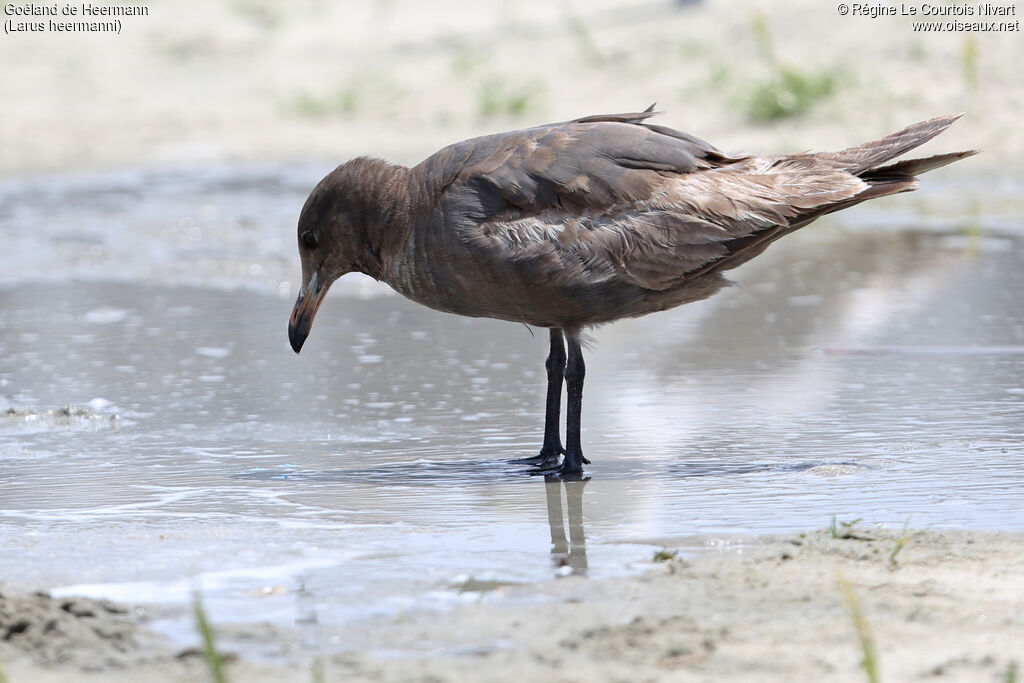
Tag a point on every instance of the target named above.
point(946, 606)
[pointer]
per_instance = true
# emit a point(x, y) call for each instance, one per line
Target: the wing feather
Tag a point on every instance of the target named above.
point(611, 200)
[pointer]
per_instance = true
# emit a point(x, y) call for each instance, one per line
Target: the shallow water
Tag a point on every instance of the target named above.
point(870, 369)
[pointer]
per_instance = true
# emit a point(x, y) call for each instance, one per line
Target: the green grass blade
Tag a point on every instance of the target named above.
point(317, 671)
point(214, 660)
point(869, 658)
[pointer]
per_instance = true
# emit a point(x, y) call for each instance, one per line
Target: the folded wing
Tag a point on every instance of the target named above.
point(614, 199)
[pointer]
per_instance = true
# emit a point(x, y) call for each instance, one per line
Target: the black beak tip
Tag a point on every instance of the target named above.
point(297, 337)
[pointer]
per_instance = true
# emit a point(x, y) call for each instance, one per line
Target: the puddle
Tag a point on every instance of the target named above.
point(158, 436)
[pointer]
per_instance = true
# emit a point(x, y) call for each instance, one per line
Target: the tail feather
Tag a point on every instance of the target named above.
point(911, 167)
point(863, 158)
point(900, 176)
point(862, 161)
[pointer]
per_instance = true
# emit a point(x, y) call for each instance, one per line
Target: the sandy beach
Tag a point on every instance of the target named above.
point(200, 82)
point(946, 606)
point(189, 86)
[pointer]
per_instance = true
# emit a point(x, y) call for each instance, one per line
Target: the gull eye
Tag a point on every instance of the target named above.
point(308, 239)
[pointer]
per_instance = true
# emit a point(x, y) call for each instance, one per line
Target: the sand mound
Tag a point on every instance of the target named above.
point(88, 634)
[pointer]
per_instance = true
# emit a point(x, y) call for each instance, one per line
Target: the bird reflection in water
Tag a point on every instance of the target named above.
point(569, 555)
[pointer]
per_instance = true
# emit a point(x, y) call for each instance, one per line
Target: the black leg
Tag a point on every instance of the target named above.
point(555, 365)
point(575, 371)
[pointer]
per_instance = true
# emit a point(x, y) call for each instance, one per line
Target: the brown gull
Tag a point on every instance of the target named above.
point(575, 224)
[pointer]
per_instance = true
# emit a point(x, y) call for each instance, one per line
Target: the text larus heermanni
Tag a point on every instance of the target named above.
point(575, 224)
